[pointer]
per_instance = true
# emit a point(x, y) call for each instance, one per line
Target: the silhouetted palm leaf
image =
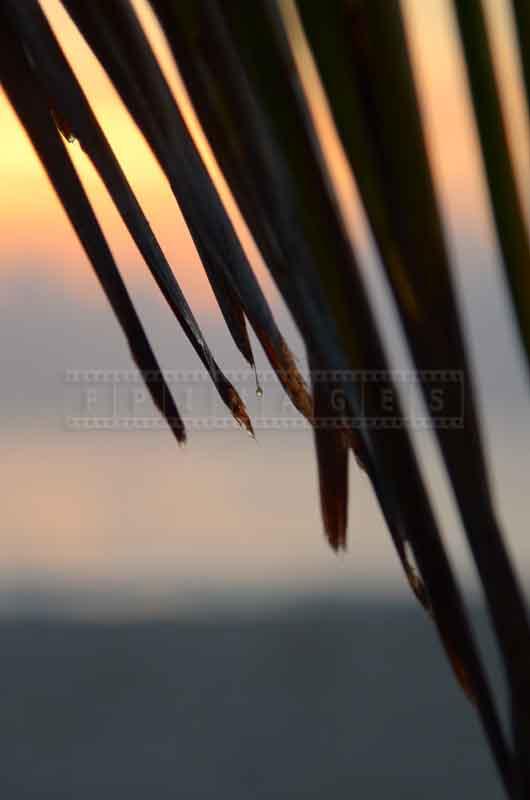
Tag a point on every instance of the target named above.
point(115, 35)
point(511, 227)
point(262, 114)
point(74, 116)
point(30, 103)
point(237, 64)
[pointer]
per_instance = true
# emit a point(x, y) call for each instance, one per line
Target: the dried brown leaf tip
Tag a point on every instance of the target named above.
point(239, 411)
point(286, 369)
point(335, 511)
point(332, 456)
point(418, 587)
point(332, 451)
point(448, 640)
point(459, 668)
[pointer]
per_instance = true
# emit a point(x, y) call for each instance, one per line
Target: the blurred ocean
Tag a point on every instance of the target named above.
point(332, 697)
point(173, 622)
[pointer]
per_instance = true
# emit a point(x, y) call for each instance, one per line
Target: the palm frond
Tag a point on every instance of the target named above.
point(521, 14)
point(512, 231)
point(380, 95)
point(74, 116)
point(263, 113)
point(116, 37)
point(26, 96)
point(236, 61)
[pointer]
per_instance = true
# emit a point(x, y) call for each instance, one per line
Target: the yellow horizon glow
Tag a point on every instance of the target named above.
point(36, 233)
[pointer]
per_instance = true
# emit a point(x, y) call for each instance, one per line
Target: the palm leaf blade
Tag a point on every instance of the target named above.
point(72, 110)
point(299, 279)
point(25, 96)
point(114, 33)
point(511, 229)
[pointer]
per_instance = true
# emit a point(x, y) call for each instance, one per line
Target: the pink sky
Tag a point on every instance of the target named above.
point(151, 515)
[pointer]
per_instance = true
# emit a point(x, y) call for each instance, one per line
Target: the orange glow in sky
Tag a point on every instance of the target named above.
point(28, 203)
point(37, 235)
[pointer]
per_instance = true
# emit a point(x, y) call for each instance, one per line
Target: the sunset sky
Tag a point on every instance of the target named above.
point(28, 204)
point(109, 505)
point(243, 667)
